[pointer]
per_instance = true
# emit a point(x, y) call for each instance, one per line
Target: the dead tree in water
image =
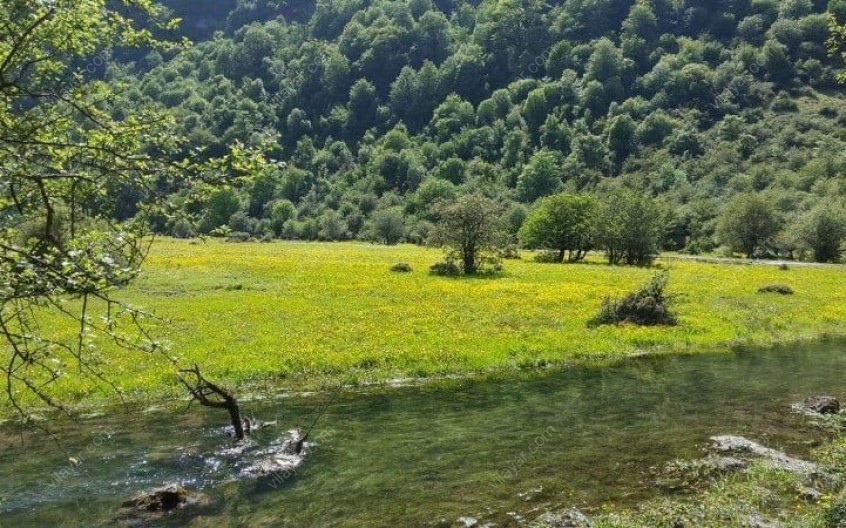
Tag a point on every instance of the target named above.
point(210, 395)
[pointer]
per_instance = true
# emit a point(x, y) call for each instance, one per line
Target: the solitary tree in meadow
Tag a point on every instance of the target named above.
point(472, 230)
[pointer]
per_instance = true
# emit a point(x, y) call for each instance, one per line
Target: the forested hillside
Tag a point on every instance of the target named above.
point(377, 109)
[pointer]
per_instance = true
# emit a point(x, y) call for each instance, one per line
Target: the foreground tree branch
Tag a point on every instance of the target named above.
point(66, 152)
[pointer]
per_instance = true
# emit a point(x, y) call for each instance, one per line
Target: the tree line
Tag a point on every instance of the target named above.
point(628, 227)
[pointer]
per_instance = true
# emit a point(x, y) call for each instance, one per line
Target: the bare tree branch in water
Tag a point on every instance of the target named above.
point(209, 394)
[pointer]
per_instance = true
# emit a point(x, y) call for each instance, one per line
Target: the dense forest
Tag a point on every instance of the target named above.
point(375, 110)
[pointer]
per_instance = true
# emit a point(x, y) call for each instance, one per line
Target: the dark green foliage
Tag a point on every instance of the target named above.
point(781, 289)
point(412, 101)
point(564, 223)
point(748, 224)
point(630, 227)
point(387, 226)
point(401, 267)
point(647, 306)
point(445, 268)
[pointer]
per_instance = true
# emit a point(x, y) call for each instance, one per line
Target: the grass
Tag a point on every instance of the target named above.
point(295, 314)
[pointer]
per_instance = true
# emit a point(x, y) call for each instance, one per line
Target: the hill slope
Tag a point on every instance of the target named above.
point(391, 105)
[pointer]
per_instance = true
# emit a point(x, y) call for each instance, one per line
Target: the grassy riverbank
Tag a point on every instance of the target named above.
point(293, 314)
point(760, 495)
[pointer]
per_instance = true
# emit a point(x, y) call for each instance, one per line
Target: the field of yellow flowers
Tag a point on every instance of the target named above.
point(295, 314)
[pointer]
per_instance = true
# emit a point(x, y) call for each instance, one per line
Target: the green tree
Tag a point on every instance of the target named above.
point(837, 40)
point(823, 229)
point(472, 230)
point(563, 223)
point(60, 147)
point(640, 30)
point(748, 224)
point(262, 191)
point(387, 226)
point(630, 227)
point(776, 62)
point(556, 135)
point(541, 176)
point(222, 204)
point(622, 138)
point(452, 170)
point(362, 106)
point(281, 211)
point(535, 111)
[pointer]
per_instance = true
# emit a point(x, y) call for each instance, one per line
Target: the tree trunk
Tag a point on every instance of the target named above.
point(469, 262)
point(211, 395)
point(235, 416)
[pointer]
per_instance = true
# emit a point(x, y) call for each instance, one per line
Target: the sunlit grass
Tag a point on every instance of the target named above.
point(293, 314)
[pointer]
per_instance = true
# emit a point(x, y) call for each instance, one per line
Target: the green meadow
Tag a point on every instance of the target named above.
point(294, 315)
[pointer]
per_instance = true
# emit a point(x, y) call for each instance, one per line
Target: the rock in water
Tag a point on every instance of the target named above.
point(280, 459)
point(164, 499)
point(739, 445)
point(819, 405)
point(571, 518)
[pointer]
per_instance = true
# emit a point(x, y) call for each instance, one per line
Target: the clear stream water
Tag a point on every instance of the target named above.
point(498, 450)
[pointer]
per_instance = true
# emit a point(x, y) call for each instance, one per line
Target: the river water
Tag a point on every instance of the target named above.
point(500, 450)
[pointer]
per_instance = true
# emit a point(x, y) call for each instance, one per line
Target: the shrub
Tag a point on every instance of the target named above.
point(183, 228)
point(546, 257)
point(835, 512)
point(829, 111)
point(511, 252)
point(241, 223)
point(647, 306)
point(238, 236)
point(783, 103)
point(401, 267)
point(781, 289)
point(445, 268)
